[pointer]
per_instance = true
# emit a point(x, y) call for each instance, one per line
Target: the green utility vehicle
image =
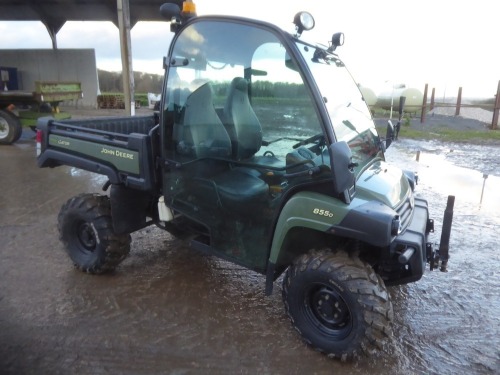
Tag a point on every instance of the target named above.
point(263, 153)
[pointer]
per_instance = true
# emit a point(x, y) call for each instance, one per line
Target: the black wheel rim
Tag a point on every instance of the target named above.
point(86, 237)
point(327, 310)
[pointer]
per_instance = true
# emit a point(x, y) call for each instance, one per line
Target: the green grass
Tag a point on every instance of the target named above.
point(138, 97)
point(448, 135)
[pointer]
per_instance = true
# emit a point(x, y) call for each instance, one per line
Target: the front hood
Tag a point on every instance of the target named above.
point(384, 183)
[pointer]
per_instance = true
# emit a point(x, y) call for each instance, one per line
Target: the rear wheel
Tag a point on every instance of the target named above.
point(10, 128)
point(86, 230)
point(337, 303)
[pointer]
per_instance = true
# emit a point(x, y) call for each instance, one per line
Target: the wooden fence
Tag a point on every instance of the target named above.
point(495, 107)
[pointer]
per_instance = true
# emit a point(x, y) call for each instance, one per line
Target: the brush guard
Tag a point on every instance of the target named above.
point(439, 258)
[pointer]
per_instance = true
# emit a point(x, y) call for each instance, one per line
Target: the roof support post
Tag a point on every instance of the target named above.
point(53, 26)
point(126, 53)
point(53, 36)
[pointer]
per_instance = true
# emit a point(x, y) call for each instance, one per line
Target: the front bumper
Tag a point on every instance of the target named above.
point(410, 246)
point(409, 249)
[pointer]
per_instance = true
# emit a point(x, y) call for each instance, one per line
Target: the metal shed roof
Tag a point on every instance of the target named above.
point(55, 13)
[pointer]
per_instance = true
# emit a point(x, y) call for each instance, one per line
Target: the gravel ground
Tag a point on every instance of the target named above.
point(470, 113)
point(470, 119)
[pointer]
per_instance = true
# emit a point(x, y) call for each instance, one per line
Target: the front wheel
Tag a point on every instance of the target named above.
point(86, 230)
point(337, 303)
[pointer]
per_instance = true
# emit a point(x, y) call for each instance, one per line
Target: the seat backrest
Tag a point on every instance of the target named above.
point(241, 121)
point(201, 132)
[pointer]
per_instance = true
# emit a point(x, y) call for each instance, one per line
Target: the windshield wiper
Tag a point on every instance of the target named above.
point(348, 124)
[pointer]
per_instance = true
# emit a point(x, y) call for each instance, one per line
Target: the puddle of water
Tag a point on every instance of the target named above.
point(450, 322)
point(439, 173)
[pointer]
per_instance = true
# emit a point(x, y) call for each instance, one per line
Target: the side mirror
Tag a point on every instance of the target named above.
point(389, 134)
point(337, 41)
point(344, 182)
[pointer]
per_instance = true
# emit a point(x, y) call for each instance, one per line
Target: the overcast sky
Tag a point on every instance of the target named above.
point(445, 43)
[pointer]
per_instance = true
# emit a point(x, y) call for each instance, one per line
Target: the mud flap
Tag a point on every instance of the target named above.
point(129, 209)
point(270, 278)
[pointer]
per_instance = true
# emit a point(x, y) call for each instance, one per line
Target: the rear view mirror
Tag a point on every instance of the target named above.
point(249, 72)
point(290, 64)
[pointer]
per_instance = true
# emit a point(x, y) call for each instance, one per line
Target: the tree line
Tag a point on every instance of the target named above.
point(147, 82)
point(267, 89)
point(143, 82)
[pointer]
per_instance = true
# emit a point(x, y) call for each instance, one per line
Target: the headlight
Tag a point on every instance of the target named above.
point(395, 226)
point(303, 21)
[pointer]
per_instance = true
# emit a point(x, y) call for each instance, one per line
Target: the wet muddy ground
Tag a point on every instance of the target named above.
point(170, 310)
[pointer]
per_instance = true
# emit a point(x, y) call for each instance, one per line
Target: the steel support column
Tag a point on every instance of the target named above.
point(126, 53)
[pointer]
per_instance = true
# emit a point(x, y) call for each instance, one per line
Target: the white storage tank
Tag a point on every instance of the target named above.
point(414, 98)
point(369, 96)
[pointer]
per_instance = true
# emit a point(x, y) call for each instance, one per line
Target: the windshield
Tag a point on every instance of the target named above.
point(262, 104)
point(349, 114)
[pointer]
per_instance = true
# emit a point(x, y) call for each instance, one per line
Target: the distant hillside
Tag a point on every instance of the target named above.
point(144, 82)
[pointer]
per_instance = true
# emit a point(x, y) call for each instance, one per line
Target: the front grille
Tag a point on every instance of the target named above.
point(405, 211)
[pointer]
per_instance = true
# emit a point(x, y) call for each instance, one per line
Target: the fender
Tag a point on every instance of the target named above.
point(306, 210)
point(368, 221)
